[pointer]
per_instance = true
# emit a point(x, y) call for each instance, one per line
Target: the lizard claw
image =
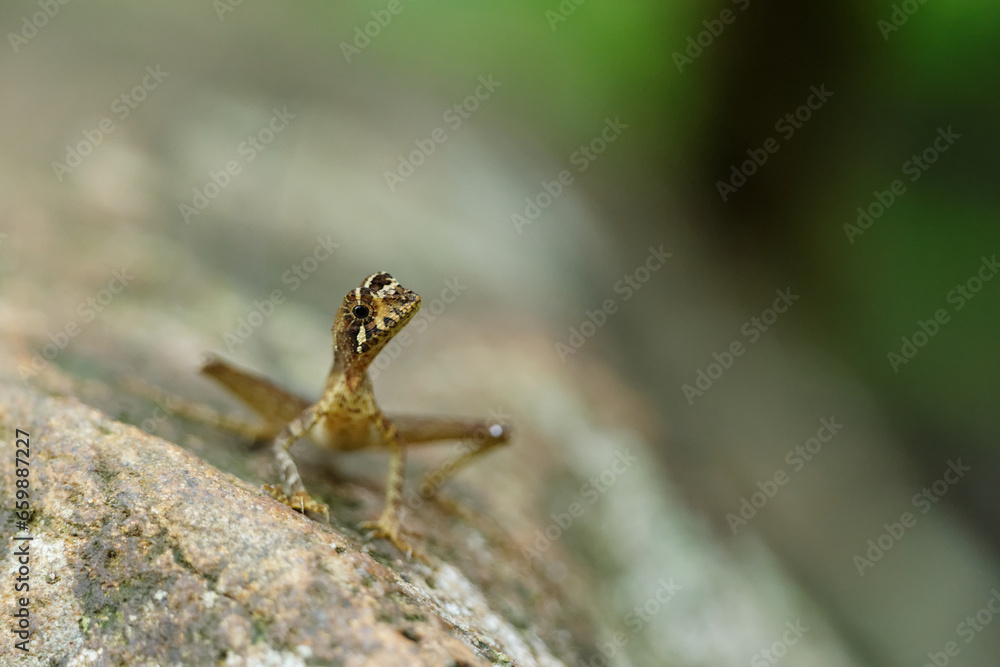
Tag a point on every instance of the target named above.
point(388, 528)
point(300, 502)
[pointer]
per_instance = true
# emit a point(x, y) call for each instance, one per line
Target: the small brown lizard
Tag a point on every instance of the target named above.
point(346, 417)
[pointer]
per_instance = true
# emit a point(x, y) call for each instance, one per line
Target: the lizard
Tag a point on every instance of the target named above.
point(346, 417)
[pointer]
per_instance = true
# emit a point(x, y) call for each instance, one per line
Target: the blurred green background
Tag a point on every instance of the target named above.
point(693, 111)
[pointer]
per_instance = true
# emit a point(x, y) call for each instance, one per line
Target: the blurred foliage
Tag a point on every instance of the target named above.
point(561, 76)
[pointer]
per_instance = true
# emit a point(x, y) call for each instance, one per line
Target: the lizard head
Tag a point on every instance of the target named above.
point(370, 316)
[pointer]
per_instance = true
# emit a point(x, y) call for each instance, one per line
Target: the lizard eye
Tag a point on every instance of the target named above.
point(360, 311)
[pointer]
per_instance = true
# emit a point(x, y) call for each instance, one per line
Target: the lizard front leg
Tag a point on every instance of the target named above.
point(292, 491)
point(387, 525)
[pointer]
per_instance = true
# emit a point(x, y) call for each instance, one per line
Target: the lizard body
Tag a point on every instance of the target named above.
point(347, 416)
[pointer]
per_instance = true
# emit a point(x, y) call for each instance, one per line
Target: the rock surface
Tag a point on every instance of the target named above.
point(144, 554)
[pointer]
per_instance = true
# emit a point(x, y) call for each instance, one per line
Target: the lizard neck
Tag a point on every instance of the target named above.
point(348, 372)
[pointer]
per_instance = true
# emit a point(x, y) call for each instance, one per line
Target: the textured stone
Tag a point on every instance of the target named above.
point(144, 554)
